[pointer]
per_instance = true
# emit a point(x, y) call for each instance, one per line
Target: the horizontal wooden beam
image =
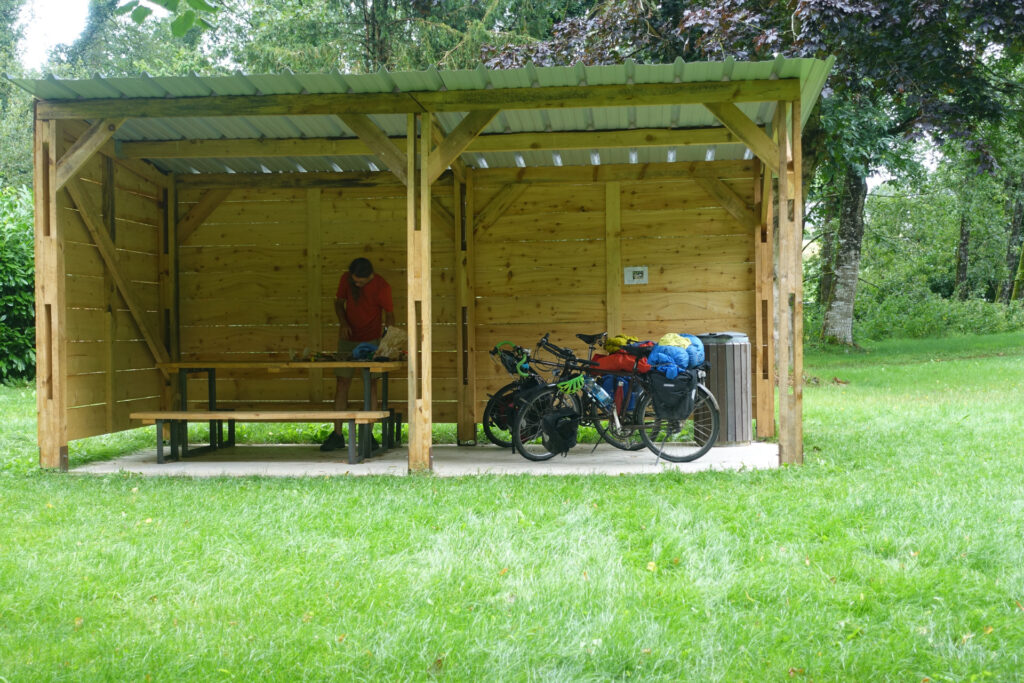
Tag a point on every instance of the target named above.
point(283, 181)
point(564, 97)
point(508, 142)
point(485, 177)
point(613, 172)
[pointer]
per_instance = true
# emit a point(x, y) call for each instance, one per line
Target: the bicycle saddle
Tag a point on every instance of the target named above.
point(590, 338)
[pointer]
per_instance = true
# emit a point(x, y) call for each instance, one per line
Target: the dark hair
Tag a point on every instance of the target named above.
point(361, 267)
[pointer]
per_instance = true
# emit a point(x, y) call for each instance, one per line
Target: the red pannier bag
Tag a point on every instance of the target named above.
point(620, 361)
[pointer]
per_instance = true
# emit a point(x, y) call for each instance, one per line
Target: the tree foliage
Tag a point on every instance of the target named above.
point(17, 273)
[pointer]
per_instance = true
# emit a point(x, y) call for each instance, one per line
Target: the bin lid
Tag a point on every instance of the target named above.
point(723, 338)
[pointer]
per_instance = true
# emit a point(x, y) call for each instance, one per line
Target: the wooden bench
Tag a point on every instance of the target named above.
point(359, 423)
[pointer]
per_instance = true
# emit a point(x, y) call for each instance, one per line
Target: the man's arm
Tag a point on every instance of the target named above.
point(389, 318)
point(344, 329)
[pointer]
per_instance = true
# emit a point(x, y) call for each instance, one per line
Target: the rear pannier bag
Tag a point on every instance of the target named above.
point(673, 398)
point(559, 430)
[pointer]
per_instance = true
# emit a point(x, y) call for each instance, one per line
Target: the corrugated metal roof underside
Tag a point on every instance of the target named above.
point(811, 73)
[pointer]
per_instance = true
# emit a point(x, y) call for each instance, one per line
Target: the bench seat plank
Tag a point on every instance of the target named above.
point(360, 416)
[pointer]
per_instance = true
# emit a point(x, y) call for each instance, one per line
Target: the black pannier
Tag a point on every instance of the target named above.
point(673, 398)
point(559, 429)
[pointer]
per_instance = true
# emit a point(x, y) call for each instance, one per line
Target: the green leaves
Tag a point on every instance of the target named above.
point(181, 23)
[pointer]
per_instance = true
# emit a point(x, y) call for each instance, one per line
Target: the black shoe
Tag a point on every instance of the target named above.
point(335, 441)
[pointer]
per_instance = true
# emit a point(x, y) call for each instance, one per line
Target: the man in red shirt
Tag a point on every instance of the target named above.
point(363, 305)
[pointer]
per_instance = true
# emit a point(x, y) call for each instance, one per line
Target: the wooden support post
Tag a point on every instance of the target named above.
point(797, 397)
point(168, 282)
point(51, 342)
point(763, 345)
point(314, 289)
point(613, 258)
point(110, 298)
point(790, 449)
point(418, 203)
point(465, 310)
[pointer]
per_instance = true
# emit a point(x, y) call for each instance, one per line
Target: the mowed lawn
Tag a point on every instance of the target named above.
point(896, 553)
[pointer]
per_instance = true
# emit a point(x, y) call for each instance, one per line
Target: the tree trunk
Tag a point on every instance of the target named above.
point(838, 324)
point(827, 280)
point(1013, 249)
point(962, 257)
point(1018, 283)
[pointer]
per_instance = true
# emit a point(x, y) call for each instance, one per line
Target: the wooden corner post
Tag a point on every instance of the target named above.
point(465, 277)
point(790, 324)
point(51, 341)
point(763, 346)
point(419, 314)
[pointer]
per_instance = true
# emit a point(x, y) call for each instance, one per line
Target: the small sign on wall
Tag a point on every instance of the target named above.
point(636, 275)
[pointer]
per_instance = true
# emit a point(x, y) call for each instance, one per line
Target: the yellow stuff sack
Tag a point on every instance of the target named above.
point(613, 344)
point(673, 339)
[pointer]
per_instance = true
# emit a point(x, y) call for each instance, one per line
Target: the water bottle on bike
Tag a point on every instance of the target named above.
point(603, 399)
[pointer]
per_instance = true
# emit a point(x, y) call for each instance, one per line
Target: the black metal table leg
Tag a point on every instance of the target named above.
point(353, 454)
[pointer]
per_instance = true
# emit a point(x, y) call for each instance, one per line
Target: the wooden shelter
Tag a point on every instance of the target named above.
point(210, 218)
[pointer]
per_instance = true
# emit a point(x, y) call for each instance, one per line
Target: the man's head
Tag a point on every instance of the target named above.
point(360, 271)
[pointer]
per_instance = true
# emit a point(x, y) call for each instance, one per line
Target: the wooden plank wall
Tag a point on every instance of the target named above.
point(110, 368)
point(542, 266)
point(251, 274)
point(258, 280)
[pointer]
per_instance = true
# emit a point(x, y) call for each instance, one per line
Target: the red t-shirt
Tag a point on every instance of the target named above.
point(364, 314)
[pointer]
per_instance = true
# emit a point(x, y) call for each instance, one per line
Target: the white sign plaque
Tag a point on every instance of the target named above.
point(636, 275)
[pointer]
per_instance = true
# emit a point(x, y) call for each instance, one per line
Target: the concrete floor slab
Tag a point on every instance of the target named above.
point(288, 460)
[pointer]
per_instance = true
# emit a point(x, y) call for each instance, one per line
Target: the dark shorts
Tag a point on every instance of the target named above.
point(345, 348)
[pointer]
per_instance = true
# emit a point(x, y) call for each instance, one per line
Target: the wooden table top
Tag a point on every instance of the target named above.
point(373, 366)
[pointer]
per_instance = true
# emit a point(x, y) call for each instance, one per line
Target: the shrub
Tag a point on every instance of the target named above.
point(17, 289)
point(915, 311)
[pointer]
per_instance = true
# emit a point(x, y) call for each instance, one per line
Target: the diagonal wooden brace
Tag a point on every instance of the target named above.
point(763, 147)
point(83, 149)
point(379, 143)
point(108, 252)
point(456, 142)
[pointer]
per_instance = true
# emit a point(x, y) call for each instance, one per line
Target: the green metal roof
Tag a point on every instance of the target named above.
point(811, 74)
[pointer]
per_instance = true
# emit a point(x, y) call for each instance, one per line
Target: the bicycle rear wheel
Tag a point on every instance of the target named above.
point(681, 440)
point(527, 435)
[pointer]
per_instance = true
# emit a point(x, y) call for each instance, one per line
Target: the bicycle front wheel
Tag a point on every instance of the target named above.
point(681, 440)
point(527, 434)
point(500, 414)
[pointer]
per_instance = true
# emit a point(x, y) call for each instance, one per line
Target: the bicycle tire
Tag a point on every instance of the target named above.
point(499, 415)
point(685, 440)
point(527, 435)
point(625, 438)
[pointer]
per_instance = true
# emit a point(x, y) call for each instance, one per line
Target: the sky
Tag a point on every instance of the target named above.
point(48, 23)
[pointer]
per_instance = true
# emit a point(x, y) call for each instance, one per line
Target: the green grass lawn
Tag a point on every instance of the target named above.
point(896, 552)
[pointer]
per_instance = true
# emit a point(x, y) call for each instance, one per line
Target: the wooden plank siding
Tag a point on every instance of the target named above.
point(110, 368)
point(249, 276)
point(542, 266)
